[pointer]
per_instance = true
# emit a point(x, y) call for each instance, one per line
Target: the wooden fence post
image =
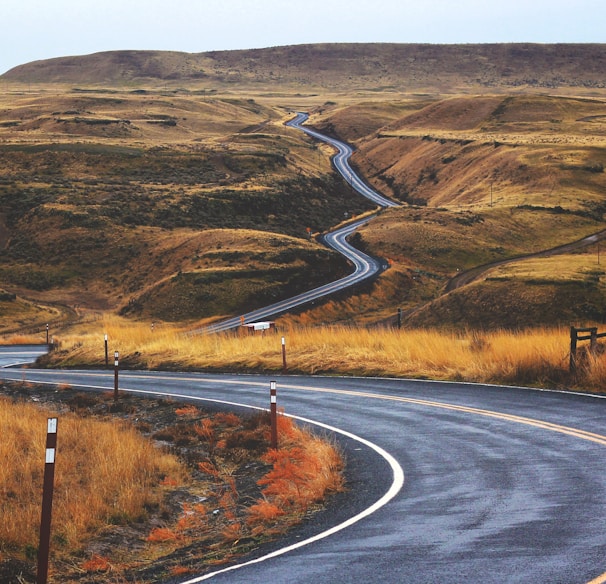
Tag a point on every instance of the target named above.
point(573, 350)
point(593, 340)
point(284, 365)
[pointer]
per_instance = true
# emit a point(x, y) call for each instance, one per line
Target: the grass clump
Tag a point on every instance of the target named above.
point(106, 473)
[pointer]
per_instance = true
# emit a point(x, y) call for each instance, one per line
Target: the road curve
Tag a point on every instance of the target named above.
point(16, 355)
point(501, 484)
point(341, 162)
point(365, 266)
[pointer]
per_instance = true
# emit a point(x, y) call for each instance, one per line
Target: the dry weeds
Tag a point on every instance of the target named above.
point(109, 476)
point(127, 512)
point(531, 357)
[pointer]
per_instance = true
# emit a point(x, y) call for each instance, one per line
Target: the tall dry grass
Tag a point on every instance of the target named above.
point(106, 473)
point(23, 339)
point(536, 357)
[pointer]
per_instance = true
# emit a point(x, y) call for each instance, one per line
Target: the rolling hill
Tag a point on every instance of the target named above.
point(341, 67)
point(166, 186)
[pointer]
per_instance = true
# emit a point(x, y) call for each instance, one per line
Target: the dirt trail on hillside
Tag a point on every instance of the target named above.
point(477, 273)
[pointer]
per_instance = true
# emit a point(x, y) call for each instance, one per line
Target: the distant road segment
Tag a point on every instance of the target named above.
point(365, 266)
point(15, 355)
point(341, 162)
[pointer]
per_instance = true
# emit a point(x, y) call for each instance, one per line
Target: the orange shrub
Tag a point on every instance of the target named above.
point(180, 571)
point(161, 535)
point(229, 419)
point(208, 468)
point(187, 411)
point(205, 429)
point(232, 532)
point(96, 564)
point(263, 512)
point(168, 482)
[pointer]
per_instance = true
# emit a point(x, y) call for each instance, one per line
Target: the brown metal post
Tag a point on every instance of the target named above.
point(116, 359)
point(284, 366)
point(273, 414)
point(47, 501)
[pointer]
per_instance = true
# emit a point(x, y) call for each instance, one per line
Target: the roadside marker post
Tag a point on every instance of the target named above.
point(273, 414)
point(47, 334)
point(116, 367)
point(284, 366)
point(47, 501)
point(106, 353)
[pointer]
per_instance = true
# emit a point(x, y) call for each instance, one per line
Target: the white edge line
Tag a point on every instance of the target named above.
point(396, 486)
point(15, 364)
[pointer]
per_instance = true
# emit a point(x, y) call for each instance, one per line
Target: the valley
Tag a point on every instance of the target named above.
point(187, 199)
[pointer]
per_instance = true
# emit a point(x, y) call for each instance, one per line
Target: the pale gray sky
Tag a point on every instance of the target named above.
point(41, 29)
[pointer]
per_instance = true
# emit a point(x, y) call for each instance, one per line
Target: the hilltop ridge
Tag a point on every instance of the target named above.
point(347, 66)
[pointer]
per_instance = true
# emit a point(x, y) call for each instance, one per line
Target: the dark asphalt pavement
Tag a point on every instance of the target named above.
point(501, 484)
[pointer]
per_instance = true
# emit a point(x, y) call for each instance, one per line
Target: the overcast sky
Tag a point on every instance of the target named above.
point(41, 29)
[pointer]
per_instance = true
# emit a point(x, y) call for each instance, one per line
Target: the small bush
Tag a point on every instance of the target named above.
point(161, 535)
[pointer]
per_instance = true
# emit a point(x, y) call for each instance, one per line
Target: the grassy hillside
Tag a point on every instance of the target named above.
point(170, 189)
point(342, 67)
point(160, 206)
point(485, 178)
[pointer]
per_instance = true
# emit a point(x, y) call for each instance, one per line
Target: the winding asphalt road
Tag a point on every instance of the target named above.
point(448, 482)
point(365, 266)
point(341, 162)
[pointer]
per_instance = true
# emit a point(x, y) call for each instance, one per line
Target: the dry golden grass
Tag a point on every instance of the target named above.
point(23, 339)
point(114, 491)
point(583, 267)
point(106, 473)
point(536, 357)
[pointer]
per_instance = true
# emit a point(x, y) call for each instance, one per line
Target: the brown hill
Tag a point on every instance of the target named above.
point(112, 179)
point(487, 177)
point(396, 67)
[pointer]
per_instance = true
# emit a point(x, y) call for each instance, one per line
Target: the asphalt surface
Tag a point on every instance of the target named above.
point(341, 162)
point(12, 356)
point(364, 265)
point(500, 484)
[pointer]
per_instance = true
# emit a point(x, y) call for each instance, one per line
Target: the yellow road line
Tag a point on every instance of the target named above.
point(575, 432)
point(566, 430)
